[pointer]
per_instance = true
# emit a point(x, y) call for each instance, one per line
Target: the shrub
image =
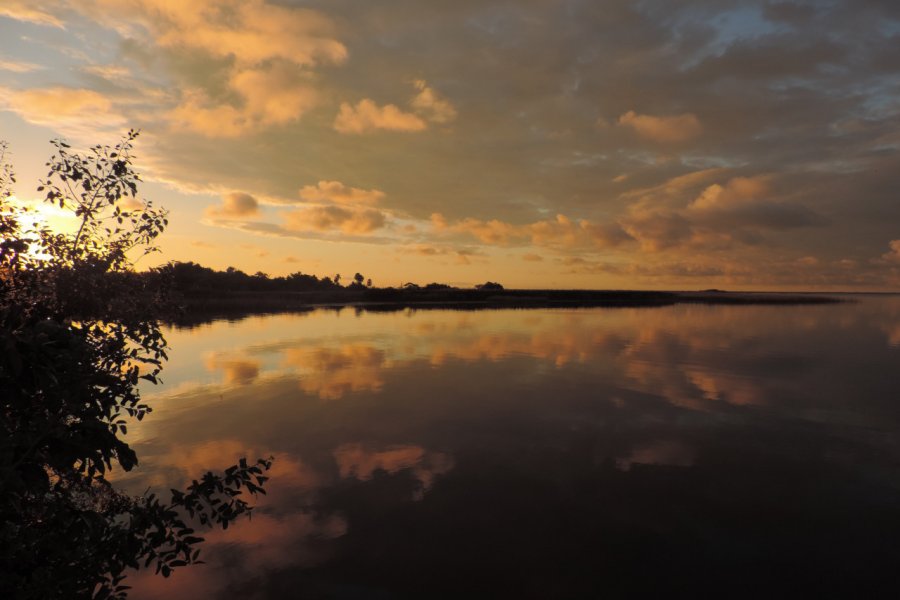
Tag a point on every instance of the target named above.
point(78, 331)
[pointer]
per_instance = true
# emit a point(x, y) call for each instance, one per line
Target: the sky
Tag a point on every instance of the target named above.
point(735, 144)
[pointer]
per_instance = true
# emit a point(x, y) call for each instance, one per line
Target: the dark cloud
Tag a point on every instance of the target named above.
point(512, 113)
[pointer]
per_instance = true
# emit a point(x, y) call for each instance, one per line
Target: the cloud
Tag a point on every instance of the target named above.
point(355, 460)
point(275, 95)
point(251, 61)
point(560, 232)
point(198, 114)
point(894, 254)
point(16, 66)
point(110, 72)
point(461, 256)
point(284, 231)
point(73, 111)
point(237, 371)
point(423, 250)
point(48, 105)
point(737, 191)
point(249, 32)
point(667, 270)
point(338, 193)
point(31, 11)
point(747, 202)
point(657, 230)
point(689, 211)
point(367, 117)
point(349, 220)
point(332, 373)
point(130, 203)
point(662, 129)
point(429, 104)
point(235, 205)
point(532, 258)
point(243, 96)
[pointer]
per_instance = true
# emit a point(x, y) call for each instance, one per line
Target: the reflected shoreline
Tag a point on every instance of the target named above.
point(201, 308)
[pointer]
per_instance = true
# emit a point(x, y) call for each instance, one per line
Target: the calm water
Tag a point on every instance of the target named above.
point(542, 453)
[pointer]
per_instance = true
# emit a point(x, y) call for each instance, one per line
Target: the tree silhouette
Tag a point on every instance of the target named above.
point(78, 331)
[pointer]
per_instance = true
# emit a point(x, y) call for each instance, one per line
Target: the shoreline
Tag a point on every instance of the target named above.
point(201, 307)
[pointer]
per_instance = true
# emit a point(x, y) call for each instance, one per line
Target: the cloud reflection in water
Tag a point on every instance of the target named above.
point(541, 452)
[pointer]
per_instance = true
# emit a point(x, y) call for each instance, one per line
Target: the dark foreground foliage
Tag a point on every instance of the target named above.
point(78, 331)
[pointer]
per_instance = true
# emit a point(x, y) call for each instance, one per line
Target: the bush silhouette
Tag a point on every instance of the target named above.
point(78, 331)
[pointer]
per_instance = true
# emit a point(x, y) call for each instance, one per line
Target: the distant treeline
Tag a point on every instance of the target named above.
point(190, 277)
point(198, 292)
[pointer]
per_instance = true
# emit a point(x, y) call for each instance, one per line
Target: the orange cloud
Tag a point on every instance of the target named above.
point(276, 95)
point(130, 203)
point(694, 211)
point(662, 129)
point(272, 539)
point(349, 220)
point(268, 96)
point(198, 114)
point(735, 191)
point(29, 11)
point(546, 343)
point(338, 193)
point(237, 371)
point(429, 104)
point(356, 461)
point(657, 229)
point(331, 373)
point(62, 107)
point(235, 205)
point(264, 54)
point(893, 335)
point(15, 66)
point(108, 72)
point(463, 256)
point(676, 187)
point(721, 386)
point(894, 254)
point(367, 117)
point(664, 363)
point(558, 232)
point(250, 32)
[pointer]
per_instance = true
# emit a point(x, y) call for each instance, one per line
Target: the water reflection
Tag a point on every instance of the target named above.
point(545, 453)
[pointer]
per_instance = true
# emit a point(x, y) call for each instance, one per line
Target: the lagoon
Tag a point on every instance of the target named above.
point(541, 453)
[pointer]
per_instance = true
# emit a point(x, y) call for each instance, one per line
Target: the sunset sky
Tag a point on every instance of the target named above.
point(739, 144)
